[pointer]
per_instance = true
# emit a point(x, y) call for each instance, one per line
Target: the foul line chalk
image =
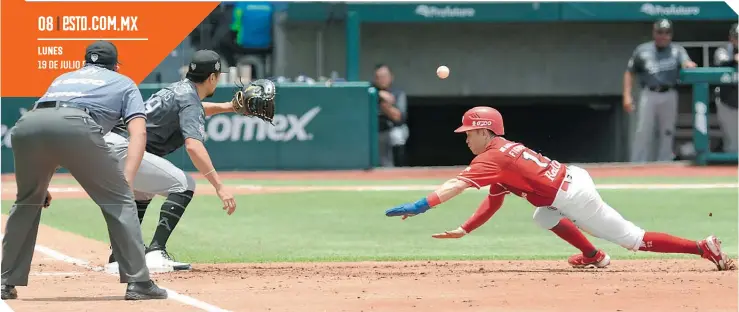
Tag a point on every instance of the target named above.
point(172, 295)
point(192, 301)
point(4, 307)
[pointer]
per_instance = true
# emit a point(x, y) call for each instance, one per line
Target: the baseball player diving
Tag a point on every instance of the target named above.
point(175, 118)
point(564, 195)
point(65, 128)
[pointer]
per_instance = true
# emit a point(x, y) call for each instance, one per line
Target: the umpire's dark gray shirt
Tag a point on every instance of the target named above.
point(657, 67)
point(108, 95)
point(174, 114)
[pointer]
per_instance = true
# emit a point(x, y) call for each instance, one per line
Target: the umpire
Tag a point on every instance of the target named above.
point(726, 103)
point(657, 64)
point(65, 128)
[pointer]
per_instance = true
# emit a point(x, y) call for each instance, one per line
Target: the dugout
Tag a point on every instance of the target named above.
point(569, 129)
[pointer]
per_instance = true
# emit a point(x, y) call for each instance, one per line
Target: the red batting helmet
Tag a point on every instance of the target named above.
point(482, 117)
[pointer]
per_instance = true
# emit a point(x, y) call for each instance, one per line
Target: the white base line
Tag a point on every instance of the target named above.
point(92, 39)
point(85, 264)
point(4, 307)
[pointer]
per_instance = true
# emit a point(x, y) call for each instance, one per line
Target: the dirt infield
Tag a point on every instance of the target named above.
point(659, 285)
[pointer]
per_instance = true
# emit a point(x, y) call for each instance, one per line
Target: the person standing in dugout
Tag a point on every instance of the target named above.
point(726, 103)
point(65, 128)
point(657, 64)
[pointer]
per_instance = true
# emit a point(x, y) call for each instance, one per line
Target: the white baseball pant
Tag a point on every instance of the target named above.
point(156, 175)
point(582, 204)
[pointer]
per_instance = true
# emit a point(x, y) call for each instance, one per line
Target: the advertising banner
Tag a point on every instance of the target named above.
point(646, 11)
point(315, 126)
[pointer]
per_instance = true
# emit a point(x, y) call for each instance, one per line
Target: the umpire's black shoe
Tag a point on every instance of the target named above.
point(9, 292)
point(144, 291)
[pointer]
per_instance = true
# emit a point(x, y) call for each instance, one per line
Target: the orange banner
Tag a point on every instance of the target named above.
point(41, 40)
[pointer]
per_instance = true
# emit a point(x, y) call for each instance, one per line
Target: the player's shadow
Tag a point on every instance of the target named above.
point(75, 299)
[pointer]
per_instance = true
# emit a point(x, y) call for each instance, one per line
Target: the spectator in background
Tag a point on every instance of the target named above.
point(657, 65)
point(252, 25)
point(392, 116)
point(726, 103)
point(214, 32)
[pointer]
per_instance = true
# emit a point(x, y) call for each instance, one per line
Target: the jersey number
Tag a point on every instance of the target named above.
point(535, 159)
point(153, 104)
point(552, 172)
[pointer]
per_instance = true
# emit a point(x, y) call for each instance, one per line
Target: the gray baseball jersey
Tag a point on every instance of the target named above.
point(108, 95)
point(657, 67)
point(174, 114)
point(725, 57)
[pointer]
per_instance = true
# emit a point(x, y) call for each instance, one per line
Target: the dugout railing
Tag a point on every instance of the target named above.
point(701, 79)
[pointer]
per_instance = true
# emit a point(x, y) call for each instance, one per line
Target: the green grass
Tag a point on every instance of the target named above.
point(351, 226)
point(323, 182)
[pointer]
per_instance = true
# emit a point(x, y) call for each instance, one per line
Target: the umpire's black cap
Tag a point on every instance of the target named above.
point(663, 24)
point(204, 63)
point(734, 30)
point(102, 52)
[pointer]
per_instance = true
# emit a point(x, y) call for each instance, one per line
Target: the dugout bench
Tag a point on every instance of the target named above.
point(700, 79)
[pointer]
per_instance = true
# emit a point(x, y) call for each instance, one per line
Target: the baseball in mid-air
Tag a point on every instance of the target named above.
point(442, 72)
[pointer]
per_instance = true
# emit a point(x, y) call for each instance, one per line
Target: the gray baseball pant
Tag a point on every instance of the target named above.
point(385, 148)
point(44, 139)
point(156, 175)
point(728, 120)
point(655, 127)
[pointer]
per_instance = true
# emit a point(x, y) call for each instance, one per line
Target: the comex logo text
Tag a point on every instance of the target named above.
point(240, 128)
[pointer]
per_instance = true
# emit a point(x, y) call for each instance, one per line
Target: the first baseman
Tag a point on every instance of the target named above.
point(657, 65)
point(565, 197)
point(65, 128)
point(176, 118)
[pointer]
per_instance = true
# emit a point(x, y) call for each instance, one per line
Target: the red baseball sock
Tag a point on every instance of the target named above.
point(666, 243)
point(567, 230)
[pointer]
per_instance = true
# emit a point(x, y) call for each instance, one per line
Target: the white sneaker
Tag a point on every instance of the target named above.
point(160, 261)
point(112, 268)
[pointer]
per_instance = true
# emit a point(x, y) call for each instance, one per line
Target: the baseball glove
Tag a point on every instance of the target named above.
point(257, 99)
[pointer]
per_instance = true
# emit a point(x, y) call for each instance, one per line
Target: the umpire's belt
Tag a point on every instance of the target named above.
point(661, 89)
point(53, 104)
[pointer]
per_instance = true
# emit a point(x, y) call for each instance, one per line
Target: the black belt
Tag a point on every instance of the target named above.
point(120, 132)
point(661, 89)
point(54, 104)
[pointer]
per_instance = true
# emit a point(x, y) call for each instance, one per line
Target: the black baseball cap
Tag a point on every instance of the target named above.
point(101, 53)
point(663, 24)
point(204, 63)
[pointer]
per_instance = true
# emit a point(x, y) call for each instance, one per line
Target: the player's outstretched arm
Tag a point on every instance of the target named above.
point(201, 160)
point(218, 108)
point(445, 192)
point(487, 209)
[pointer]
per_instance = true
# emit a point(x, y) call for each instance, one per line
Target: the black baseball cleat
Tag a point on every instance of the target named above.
point(9, 292)
point(144, 291)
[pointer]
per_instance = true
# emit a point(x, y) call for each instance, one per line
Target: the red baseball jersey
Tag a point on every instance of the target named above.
point(511, 167)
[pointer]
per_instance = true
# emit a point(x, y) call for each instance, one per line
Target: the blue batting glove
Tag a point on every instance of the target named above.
point(418, 207)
